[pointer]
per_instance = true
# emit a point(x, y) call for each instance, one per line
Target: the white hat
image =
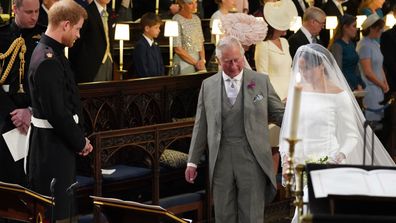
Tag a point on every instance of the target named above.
point(371, 19)
point(279, 14)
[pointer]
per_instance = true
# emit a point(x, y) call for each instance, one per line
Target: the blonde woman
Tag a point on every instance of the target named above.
point(188, 46)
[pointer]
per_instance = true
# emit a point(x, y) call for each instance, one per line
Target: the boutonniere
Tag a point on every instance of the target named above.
point(155, 43)
point(114, 16)
point(251, 85)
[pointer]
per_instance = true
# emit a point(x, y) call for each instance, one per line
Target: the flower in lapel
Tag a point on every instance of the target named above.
point(113, 16)
point(251, 84)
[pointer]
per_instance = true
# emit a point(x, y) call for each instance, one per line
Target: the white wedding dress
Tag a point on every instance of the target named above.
point(319, 124)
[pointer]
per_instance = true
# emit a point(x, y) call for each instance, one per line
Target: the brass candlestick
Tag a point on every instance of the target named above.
point(298, 192)
point(290, 168)
point(298, 179)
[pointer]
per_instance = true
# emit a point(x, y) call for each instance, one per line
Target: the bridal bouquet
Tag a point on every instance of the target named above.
point(321, 160)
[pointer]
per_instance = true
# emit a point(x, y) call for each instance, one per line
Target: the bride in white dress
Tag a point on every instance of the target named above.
point(330, 121)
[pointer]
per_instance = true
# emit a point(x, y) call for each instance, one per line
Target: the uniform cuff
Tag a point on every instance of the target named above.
point(192, 165)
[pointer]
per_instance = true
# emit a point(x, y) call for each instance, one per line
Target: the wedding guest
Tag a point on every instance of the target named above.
point(147, 58)
point(313, 22)
point(91, 57)
point(272, 56)
point(188, 45)
point(245, 28)
point(343, 49)
point(14, 88)
point(371, 60)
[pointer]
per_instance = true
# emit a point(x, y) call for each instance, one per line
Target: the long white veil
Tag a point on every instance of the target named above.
point(330, 118)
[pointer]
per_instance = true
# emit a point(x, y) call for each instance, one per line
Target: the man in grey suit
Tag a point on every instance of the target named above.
point(232, 122)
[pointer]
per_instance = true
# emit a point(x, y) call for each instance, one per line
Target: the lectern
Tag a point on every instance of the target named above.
point(22, 204)
point(119, 211)
point(349, 208)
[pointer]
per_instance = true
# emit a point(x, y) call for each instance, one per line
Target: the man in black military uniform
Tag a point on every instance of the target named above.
point(57, 135)
point(14, 91)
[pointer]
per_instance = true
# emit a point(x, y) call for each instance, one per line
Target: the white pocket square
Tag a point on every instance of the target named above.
point(257, 98)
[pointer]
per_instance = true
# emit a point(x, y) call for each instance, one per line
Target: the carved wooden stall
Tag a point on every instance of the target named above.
point(124, 120)
point(138, 102)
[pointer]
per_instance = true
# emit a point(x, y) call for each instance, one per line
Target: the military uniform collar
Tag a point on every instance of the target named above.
point(14, 28)
point(55, 45)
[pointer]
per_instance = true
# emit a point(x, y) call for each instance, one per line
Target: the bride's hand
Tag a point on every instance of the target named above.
point(339, 158)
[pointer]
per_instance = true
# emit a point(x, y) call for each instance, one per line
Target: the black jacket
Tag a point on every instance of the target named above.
point(298, 39)
point(11, 171)
point(55, 97)
point(87, 53)
point(147, 60)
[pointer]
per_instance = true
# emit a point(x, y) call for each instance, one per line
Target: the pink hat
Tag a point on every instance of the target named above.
point(246, 28)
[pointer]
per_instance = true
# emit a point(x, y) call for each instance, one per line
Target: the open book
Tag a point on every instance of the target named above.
point(354, 181)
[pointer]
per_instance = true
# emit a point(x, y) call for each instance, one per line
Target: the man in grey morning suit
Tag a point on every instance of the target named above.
point(232, 122)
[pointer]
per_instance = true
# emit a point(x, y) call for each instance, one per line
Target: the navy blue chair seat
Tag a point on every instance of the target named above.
point(124, 172)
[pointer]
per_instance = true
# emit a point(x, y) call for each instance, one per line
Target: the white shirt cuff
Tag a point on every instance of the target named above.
point(192, 165)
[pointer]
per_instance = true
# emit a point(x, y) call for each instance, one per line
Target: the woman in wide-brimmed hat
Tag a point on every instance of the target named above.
point(245, 28)
point(272, 55)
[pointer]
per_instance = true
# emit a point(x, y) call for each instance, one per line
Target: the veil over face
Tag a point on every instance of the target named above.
point(330, 121)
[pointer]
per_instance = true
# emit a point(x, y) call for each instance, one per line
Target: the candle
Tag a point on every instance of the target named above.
point(113, 5)
point(171, 51)
point(157, 7)
point(295, 107)
point(121, 54)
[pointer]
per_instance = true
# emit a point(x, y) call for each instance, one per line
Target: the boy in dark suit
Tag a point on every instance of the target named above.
point(147, 59)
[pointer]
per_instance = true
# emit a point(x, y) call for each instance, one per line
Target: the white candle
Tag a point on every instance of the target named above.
point(171, 50)
point(121, 54)
point(295, 107)
point(113, 5)
point(157, 7)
